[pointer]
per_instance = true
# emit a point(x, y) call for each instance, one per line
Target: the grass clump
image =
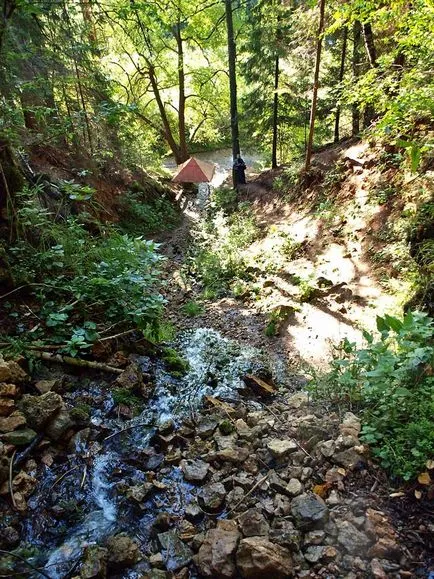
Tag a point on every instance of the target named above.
point(192, 309)
point(126, 397)
point(391, 383)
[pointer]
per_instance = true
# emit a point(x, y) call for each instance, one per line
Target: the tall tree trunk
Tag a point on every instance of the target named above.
point(368, 37)
point(315, 85)
point(275, 113)
point(181, 96)
point(232, 85)
point(341, 78)
point(369, 44)
point(357, 32)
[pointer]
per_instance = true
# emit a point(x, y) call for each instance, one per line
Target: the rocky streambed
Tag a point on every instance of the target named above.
point(170, 469)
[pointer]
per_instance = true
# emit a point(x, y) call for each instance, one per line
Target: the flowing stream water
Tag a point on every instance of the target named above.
point(88, 497)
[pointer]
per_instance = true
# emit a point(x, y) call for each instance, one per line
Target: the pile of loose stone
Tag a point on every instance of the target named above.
point(270, 500)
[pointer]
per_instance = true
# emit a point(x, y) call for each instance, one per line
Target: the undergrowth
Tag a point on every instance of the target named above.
point(391, 382)
point(82, 284)
point(217, 259)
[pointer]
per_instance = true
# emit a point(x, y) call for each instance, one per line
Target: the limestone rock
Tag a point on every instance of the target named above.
point(253, 523)
point(309, 511)
point(7, 406)
point(216, 554)
point(176, 554)
point(94, 565)
point(44, 386)
point(9, 390)
point(235, 455)
point(38, 410)
point(353, 541)
point(206, 427)
point(294, 487)
point(11, 372)
point(258, 558)
point(212, 497)
point(194, 470)
point(12, 422)
point(351, 425)
point(327, 448)
point(281, 448)
point(131, 378)
point(123, 551)
point(348, 458)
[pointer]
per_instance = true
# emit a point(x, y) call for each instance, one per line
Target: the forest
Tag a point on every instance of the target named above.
point(232, 377)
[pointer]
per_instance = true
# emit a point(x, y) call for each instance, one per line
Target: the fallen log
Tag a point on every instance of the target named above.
point(259, 386)
point(59, 359)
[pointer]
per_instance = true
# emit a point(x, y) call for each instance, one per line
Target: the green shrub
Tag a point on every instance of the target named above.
point(217, 258)
point(84, 283)
point(141, 216)
point(391, 383)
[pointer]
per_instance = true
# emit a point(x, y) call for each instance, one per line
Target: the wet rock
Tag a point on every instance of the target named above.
point(347, 458)
point(309, 511)
point(216, 554)
point(156, 560)
point(9, 390)
point(38, 410)
point(175, 553)
point(281, 448)
point(314, 553)
point(257, 558)
point(44, 386)
point(253, 523)
point(193, 511)
point(59, 425)
point(212, 497)
point(206, 427)
point(9, 538)
point(243, 480)
point(131, 378)
point(11, 372)
point(19, 437)
point(194, 470)
point(123, 551)
point(139, 492)
point(12, 422)
point(154, 461)
point(353, 541)
point(285, 534)
point(95, 563)
point(294, 487)
point(166, 427)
